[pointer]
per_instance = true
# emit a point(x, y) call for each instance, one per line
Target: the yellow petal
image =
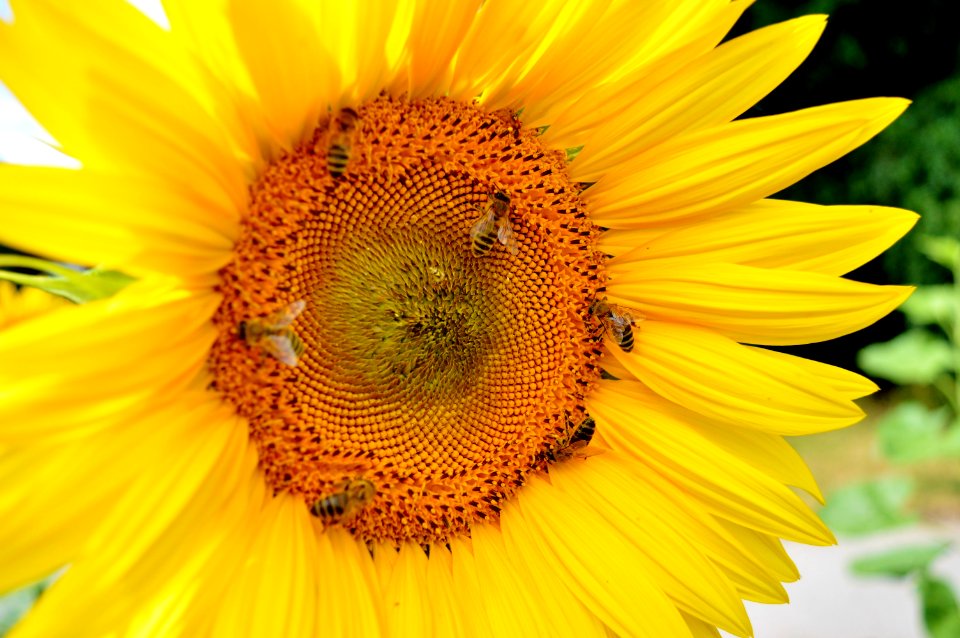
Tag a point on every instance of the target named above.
point(203, 28)
point(294, 76)
point(562, 612)
point(770, 233)
point(349, 595)
point(700, 629)
point(507, 592)
point(438, 29)
point(721, 379)
point(445, 599)
point(600, 487)
point(738, 559)
point(467, 586)
point(115, 106)
point(578, 55)
point(728, 166)
point(842, 383)
point(710, 90)
point(632, 423)
point(131, 223)
point(153, 544)
point(94, 360)
point(747, 304)
point(359, 36)
point(405, 603)
point(481, 64)
point(605, 567)
point(274, 591)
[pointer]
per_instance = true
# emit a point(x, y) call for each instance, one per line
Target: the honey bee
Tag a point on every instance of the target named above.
point(342, 130)
point(617, 321)
point(576, 441)
point(273, 333)
point(493, 225)
point(341, 506)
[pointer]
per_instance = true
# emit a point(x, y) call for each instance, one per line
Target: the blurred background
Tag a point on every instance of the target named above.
point(893, 481)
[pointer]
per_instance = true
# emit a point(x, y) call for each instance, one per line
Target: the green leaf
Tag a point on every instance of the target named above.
point(914, 357)
point(942, 250)
point(932, 305)
point(78, 287)
point(899, 562)
point(941, 614)
point(868, 507)
point(15, 604)
point(912, 432)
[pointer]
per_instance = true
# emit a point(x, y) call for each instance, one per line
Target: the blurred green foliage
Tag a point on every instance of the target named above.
point(926, 355)
point(941, 613)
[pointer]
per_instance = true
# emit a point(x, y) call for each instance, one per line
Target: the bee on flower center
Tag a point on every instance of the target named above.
point(616, 321)
point(493, 225)
point(273, 334)
point(573, 444)
point(342, 130)
point(344, 504)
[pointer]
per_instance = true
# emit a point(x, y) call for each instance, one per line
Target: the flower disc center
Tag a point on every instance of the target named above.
point(405, 324)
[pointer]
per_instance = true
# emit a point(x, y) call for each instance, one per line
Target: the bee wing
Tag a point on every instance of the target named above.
point(483, 226)
point(617, 329)
point(285, 316)
point(280, 348)
point(506, 237)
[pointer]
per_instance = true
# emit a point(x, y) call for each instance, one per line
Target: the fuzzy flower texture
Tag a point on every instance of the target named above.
point(449, 318)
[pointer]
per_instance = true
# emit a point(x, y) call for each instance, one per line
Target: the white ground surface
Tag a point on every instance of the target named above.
point(829, 602)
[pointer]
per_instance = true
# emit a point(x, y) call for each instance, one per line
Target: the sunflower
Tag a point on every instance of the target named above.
point(448, 317)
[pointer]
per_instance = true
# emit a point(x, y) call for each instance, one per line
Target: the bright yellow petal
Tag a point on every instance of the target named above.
point(599, 487)
point(710, 90)
point(406, 606)
point(738, 559)
point(119, 106)
point(721, 379)
point(747, 304)
point(728, 166)
point(25, 303)
point(293, 74)
point(203, 28)
point(832, 240)
point(842, 383)
point(144, 226)
point(274, 591)
point(159, 531)
point(445, 599)
point(349, 595)
point(467, 587)
point(359, 36)
point(94, 360)
point(438, 29)
point(480, 63)
point(561, 611)
point(607, 568)
point(730, 487)
point(577, 56)
point(507, 592)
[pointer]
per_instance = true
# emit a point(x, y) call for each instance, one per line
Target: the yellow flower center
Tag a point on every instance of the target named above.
point(406, 324)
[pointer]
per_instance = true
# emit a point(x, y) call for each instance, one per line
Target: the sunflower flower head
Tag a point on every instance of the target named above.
point(449, 317)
